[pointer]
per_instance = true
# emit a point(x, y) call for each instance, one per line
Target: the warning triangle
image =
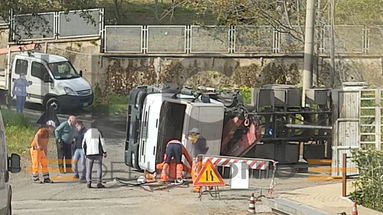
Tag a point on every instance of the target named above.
point(209, 176)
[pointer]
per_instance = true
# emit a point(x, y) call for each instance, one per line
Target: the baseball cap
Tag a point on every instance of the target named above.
point(194, 130)
point(51, 123)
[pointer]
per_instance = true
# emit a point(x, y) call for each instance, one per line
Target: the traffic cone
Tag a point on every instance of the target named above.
point(252, 204)
point(355, 209)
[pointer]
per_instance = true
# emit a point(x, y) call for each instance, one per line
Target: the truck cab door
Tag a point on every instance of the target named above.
point(41, 80)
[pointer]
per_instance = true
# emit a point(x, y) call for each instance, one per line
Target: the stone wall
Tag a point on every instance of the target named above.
point(122, 74)
point(4, 34)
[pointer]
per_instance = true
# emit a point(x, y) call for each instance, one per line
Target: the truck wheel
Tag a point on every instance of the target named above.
point(53, 102)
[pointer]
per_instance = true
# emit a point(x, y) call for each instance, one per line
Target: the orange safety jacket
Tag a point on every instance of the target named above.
point(185, 153)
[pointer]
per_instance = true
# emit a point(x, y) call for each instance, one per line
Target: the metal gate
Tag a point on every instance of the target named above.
point(357, 124)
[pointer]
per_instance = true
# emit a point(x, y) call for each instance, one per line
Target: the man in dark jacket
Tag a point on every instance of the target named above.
point(64, 135)
point(78, 152)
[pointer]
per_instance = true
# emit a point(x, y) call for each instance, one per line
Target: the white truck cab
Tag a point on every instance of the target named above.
point(165, 117)
point(7, 164)
point(53, 81)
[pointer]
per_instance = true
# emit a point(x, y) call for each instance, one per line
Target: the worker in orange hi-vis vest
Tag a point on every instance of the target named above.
point(39, 152)
point(174, 149)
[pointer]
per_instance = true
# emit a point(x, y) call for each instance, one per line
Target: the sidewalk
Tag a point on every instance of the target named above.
point(327, 198)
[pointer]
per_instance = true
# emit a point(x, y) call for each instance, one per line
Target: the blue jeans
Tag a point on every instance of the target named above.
point(20, 102)
point(79, 156)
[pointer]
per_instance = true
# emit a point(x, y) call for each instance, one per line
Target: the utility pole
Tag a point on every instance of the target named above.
point(309, 49)
point(332, 49)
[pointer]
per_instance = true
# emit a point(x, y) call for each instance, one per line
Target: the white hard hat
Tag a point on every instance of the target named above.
point(51, 123)
point(194, 130)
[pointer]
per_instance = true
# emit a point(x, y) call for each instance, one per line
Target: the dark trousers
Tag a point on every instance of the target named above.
point(173, 150)
point(64, 156)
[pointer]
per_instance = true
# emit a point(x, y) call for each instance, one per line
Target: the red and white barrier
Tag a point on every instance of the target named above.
point(254, 163)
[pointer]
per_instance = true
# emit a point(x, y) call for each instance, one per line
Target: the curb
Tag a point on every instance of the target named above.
point(291, 207)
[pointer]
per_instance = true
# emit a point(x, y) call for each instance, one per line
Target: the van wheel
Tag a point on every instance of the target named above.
point(53, 102)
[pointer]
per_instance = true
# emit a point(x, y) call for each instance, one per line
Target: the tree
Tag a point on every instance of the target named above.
point(35, 6)
point(364, 12)
point(281, 14)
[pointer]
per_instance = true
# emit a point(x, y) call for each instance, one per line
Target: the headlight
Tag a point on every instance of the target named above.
point(70, 92)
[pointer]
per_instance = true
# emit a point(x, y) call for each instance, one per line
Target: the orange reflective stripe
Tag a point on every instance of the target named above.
point(165, 172)
point(180, 168)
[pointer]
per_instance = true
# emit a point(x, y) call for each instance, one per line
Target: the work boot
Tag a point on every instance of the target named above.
point(179, 181)
point(99, 185)
point(37, 181)
point(48, 181)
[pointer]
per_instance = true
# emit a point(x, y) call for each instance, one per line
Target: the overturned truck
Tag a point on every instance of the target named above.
point(270, 127)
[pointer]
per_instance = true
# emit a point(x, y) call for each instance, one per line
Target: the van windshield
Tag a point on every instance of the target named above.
point(63, 70)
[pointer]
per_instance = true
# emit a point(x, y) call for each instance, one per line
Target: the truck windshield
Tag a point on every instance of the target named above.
point(63, 70)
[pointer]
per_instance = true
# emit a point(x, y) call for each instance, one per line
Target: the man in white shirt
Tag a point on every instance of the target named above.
point(94, 150)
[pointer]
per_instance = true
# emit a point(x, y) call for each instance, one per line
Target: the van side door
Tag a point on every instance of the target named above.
point(41, 80)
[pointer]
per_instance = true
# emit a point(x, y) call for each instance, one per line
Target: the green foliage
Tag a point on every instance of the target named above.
point(369, 186)
point(105, 103)
point(11, 118)
point(19, 131)
point(246, 94)
point(363, 12)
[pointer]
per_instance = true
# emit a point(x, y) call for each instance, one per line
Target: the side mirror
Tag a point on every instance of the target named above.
point(14, 163)
point(80, 73)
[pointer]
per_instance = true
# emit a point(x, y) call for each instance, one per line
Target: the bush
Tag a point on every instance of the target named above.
point(105, 103)
point(19, 131)
point(369, 186)
point(246, 94)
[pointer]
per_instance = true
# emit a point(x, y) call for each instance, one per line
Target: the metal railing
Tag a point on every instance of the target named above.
point(190, 39)
point(185, 39)
point(57, 25)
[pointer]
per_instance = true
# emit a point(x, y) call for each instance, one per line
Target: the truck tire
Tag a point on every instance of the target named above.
point(54, 102)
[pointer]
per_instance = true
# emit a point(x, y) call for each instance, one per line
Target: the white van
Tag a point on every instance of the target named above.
point(54, 81)
point(170, 116)
point(7, 164)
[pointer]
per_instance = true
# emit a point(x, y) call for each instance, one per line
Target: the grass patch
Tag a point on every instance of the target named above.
point(19, 131)
point(108, 103)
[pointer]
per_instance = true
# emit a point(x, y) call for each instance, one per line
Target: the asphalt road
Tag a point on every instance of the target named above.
point(68, 196)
